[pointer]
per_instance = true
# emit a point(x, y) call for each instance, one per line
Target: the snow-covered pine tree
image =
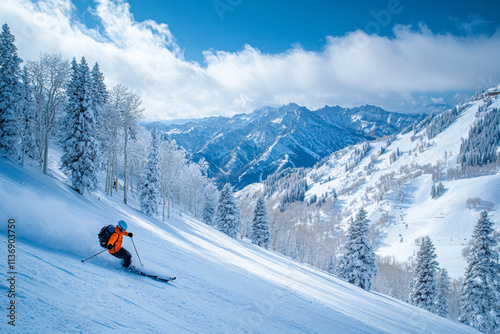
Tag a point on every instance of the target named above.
point(330, 267)
point(227, 214)
point(150, 192)
point(81, 151)
point(99, 99)
point(99, 91)
point(9, 93)
point(424, 285)
point(433, 191)
point(440, 189)
point(27, 118)
point(210, 197)
point(208, 211)
point(358, 265)
point(260, 224)
point(443, 290)
point(480, 294)
point(393, 157)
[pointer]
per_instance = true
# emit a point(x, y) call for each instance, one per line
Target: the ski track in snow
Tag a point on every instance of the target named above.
point(223, 285)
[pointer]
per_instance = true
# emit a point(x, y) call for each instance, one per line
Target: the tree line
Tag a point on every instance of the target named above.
point(54, 103)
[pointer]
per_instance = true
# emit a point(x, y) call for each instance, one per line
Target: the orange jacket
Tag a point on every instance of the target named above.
point(117, 240)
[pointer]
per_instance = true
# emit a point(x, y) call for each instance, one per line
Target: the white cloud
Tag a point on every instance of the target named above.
point(395, 73)
point(475, 22)
point(437, 100)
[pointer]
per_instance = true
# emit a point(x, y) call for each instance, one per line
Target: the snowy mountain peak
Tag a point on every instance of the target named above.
point(289, 107)
point(247, 148)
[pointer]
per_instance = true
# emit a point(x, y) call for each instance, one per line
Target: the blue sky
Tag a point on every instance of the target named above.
point(190, 59)
point(274, 26)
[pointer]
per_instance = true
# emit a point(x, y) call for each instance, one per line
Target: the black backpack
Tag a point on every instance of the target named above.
point(105, 234)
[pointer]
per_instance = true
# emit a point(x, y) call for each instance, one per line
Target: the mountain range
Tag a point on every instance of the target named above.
point(393, 178)
point(246, 148)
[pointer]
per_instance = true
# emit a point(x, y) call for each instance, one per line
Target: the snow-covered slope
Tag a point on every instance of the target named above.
point(224, 285)
point(399, 187)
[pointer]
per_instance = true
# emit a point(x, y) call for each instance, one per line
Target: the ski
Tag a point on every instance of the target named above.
point(162, 279)
point(136, 270)
point(155, 277)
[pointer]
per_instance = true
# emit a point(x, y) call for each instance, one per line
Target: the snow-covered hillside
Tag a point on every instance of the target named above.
point(224, 285)
point(392, 179)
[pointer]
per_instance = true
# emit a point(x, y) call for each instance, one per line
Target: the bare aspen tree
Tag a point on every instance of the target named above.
point(122, 114)
point(49, 76)
point(112, 135)
point(130, 112)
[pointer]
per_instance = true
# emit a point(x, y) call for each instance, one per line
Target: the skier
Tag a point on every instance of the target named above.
point(115, 243)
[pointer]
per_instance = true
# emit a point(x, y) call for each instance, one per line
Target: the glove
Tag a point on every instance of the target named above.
point(110, 246)
point(130, 234)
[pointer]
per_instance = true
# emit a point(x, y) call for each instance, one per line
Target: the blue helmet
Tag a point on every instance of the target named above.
point(122, 225)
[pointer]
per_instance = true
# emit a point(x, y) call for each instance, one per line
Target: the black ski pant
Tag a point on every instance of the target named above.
point(125, 255)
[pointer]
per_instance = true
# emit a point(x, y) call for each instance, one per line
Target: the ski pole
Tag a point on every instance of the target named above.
point(94, 255)
point(136, 251)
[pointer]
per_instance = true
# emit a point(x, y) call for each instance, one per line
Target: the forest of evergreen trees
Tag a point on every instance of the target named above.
point(442, 121)
point(51, 103)
point(480, 147)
